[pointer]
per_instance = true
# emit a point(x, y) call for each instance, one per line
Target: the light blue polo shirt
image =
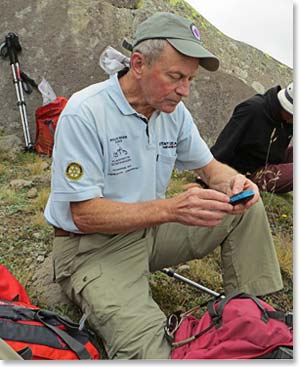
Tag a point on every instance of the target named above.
point(104, 148)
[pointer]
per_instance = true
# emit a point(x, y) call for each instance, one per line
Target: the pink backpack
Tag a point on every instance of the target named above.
point(239, 326)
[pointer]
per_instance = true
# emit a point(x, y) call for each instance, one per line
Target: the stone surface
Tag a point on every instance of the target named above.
point(20, 183)
point(10, 143)
point(62, 41)
point(46, 291)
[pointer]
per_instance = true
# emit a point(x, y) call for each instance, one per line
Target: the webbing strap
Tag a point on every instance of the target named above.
point(72, 343)
point(216, 311)
point(286, 317)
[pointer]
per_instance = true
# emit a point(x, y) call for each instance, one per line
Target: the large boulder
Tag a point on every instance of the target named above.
point(62, 41)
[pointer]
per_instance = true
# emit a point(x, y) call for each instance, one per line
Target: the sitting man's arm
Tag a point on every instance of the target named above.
point(195, 207)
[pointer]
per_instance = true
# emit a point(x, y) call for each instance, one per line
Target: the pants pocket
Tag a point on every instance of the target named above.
point(94, 293)
point(83, 277)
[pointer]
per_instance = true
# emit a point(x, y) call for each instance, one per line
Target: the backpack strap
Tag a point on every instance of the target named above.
point(25, 353)
point(193, 337)
point(215, 308)
point(69, 324)
point(72, 343)
point(17, 313)
point(286, 317)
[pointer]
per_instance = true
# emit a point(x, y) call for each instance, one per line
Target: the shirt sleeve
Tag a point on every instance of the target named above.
point(77, 166)
point(192, 151)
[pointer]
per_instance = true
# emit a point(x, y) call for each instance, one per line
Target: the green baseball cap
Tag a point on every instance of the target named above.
point(180, 32)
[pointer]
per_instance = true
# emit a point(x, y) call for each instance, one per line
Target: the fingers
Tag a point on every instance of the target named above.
point(242, 207)
point(208, 194)
point(191, 185)
point(199, 207)
point(237, 184)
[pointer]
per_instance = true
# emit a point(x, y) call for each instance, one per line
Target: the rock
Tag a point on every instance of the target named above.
point(77, 32)
point(20, 183)
point(258, 87)
point(40, 259)
point(10, 143)
point(44, 166)
point(46, 291)
point(32, 193)
point(183, 268)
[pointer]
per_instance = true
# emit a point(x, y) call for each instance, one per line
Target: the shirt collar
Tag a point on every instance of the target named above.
point(119, 98)
point(117, 95)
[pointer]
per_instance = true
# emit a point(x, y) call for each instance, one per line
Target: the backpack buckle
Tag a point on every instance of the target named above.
point(217, 320)
point(288, 319)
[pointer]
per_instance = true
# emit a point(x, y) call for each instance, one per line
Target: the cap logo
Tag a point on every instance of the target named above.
point(195, 31)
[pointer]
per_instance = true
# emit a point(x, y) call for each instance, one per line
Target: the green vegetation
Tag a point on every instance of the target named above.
point(175, 2)
point(139, 4)
point(26, 239)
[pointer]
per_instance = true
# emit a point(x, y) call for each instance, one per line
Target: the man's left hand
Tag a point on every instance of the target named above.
point(238, 184)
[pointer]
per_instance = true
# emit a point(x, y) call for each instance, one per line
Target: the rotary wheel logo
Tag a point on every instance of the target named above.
point(74, 171)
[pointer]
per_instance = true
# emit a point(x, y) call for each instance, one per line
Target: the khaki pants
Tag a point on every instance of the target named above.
point(8, 353)
point(107, 275)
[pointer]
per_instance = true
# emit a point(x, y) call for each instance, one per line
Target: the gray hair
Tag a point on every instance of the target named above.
point(151, 49)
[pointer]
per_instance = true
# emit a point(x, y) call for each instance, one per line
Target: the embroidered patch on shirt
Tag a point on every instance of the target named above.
point(74, 171)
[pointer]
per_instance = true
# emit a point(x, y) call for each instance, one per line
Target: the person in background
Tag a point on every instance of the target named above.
point(116, 145)
point(256, 141)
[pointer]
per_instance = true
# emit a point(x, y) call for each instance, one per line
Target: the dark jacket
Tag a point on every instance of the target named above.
point(255, 134)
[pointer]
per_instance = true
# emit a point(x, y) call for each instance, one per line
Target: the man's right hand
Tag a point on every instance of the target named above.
point(200, 207)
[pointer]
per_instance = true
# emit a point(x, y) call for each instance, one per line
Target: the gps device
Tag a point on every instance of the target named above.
point(242, 197)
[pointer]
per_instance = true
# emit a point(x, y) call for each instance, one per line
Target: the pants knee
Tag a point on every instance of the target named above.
point(133, 336)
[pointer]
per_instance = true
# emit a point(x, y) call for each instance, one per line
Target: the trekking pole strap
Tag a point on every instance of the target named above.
point(27, 83)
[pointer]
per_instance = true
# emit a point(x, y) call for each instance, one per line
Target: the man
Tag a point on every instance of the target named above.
point(116, 145)
point(256, 140)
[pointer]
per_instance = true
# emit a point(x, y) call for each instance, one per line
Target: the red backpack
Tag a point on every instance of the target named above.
point(239, 326)
point(40, 334)
point(10, 288)
point(46, 118)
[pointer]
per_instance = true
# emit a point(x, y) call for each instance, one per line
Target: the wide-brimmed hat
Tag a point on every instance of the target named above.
point(285, 97)
point(180, 32)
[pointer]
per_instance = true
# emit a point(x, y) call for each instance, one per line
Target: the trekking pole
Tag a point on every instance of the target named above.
point(171, 273)
point(13, 46)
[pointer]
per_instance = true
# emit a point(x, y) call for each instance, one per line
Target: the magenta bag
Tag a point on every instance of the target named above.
point(239, 326)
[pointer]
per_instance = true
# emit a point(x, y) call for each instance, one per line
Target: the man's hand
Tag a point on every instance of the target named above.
point(200, 207)
point(240, 183)
point(225, 179)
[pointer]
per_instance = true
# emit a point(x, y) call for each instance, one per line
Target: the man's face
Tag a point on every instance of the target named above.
point(287, 117)
point(168, 80)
